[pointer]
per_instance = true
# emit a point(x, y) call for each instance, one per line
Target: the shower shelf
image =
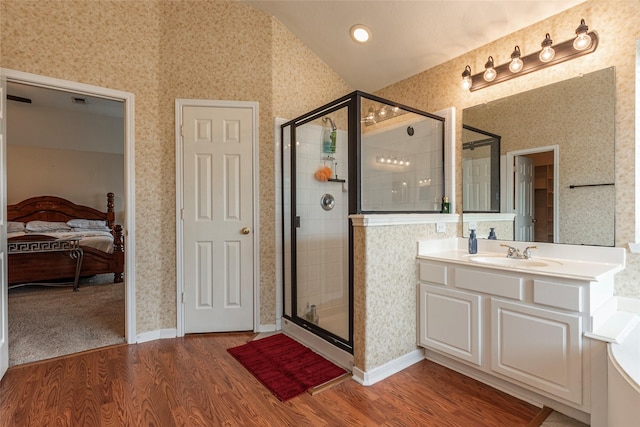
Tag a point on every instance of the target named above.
point(337, 180)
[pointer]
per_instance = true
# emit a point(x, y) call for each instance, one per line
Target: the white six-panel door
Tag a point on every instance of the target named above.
point(218, 218)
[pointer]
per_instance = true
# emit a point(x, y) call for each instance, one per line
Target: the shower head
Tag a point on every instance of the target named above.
point(326, 119)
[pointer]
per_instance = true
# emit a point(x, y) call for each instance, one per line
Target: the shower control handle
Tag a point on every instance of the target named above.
point(245, 230)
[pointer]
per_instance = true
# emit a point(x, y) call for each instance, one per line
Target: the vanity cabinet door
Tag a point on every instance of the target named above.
point(449, 321)
point(538, 347)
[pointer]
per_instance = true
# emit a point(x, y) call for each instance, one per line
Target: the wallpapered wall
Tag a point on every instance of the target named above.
point(160, 51)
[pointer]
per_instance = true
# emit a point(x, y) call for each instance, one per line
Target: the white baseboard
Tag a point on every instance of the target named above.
point(266, 328)
point(381, 372)
point(156, 335)
point(173, 333)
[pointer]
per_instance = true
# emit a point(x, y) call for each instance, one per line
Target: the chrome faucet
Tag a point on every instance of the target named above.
point(515, 253)
point(527, 252)
point(511, 251)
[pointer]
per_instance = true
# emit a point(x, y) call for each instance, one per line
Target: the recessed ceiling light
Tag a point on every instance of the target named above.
point(360, 33)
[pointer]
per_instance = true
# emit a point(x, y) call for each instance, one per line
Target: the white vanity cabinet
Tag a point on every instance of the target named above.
point(522, 329)
point(532, 328)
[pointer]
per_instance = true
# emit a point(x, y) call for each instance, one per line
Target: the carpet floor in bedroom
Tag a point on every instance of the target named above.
point(52, 321)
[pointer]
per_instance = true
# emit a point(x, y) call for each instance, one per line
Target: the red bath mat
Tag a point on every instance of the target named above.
point(284, 366)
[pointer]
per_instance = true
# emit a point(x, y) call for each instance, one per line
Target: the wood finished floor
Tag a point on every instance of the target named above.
point(193, 381)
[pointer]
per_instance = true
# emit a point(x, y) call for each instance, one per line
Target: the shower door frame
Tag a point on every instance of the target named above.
point(353, 111)
point(353, 102)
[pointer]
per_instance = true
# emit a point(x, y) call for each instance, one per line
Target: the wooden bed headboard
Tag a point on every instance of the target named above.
point(52, 208)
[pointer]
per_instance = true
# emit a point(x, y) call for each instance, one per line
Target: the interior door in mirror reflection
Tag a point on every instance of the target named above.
point(523, 178)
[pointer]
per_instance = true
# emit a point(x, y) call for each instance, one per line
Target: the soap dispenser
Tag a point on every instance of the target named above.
point(473, 242)
point(446, 206)
point(492, 234)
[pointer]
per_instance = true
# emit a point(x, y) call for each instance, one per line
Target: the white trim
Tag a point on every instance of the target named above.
point(556, 181)
point(384, 371)
point(487, 216)
point(637, 144)
point(128, 99)
point(254, 106)
point(449, 115)
point(158, 334)
point(278, 222)
point(4, 279)
point(266, 328)
point(375, 220)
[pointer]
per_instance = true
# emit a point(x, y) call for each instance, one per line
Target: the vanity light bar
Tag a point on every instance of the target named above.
point(393, 161)
point(563, 52)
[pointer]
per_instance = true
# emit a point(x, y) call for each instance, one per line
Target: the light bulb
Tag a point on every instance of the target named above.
point(582, 40)
point(360, 33)
point(547, 53)
point(516, 63)
point(490, 73)
point(467, 82)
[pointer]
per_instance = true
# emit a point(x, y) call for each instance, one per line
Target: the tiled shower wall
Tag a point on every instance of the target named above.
point(323, 245)
point(403, 188)
point(322, 239)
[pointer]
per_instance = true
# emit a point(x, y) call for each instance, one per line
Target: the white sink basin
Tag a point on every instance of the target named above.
point(503, 261)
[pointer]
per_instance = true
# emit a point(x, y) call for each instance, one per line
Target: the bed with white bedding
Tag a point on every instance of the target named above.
point(45, 220)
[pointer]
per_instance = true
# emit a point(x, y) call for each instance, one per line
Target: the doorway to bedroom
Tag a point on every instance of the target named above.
point(69, 141)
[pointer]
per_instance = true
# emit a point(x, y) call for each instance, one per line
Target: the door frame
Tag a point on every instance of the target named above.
point(556, 181)
point(254, 106)
point(128, 99)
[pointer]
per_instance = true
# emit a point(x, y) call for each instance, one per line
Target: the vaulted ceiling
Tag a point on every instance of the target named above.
point(407, 36)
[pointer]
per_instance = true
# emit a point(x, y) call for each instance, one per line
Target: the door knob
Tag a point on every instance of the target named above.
point(245, 230)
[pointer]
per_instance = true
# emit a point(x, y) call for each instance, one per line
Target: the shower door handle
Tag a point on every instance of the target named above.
point(296, 222)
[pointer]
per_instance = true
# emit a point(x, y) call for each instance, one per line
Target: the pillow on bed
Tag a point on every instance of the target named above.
point(47, 226)
point(15, 227)
point(88, 224)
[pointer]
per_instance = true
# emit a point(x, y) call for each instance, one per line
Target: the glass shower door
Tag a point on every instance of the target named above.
point(316, 209)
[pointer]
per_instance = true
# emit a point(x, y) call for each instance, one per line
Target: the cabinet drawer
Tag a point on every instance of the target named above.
point(490, 283)
point(558, 295)
point(434, 273)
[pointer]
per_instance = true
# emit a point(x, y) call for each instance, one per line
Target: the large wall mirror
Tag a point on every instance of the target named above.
point(557, 174)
